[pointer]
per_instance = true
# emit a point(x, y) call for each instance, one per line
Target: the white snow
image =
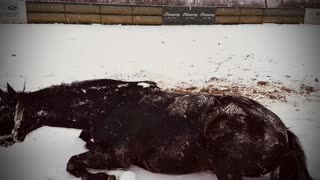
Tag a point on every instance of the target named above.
point(173, 56)
point(127, 175)
point(123, 85)
point(274, 3)
point(144, 85)
point(42, 113)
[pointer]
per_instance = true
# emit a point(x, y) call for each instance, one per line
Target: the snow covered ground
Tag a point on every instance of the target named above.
point(278, 65)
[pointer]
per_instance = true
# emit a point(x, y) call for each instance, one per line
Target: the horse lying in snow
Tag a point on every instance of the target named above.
point(137, 123)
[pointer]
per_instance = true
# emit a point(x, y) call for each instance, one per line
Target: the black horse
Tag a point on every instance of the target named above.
point(126, 123)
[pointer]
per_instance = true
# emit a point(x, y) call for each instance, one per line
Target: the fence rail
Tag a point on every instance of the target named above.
point(212, 3)
point(158, 15)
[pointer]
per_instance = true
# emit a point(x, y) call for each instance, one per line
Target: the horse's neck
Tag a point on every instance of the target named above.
point(54, 119)
point(75, 107)
point(55, 111)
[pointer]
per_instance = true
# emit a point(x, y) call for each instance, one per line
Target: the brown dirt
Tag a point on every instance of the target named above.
point(273, 91)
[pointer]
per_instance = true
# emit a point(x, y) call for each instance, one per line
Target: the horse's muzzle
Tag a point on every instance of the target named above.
point(6, 142)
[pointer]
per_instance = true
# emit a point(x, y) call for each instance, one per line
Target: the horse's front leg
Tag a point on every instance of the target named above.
point(78, 165)
point(115, 157)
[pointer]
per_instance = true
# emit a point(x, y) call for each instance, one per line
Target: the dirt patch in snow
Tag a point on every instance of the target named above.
point(274, 91)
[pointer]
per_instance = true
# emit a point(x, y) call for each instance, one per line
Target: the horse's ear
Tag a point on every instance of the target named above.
point(24, 85)
point(10, 90)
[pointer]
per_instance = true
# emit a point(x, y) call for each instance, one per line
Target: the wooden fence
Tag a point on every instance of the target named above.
point(157, 15)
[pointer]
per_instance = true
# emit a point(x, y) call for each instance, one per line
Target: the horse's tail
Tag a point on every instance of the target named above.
point(292, 165)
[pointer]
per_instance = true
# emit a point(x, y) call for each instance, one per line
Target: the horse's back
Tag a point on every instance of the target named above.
point(160, 141)
point(169, 133)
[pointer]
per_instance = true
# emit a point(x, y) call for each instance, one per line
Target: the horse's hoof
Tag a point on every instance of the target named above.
point(90, 145)
point(102, 176)
point(112, 177)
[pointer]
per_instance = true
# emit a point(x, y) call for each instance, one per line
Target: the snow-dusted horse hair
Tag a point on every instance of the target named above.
point(137, 123)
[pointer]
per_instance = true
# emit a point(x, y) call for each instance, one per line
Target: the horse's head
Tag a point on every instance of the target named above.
point(8, 101)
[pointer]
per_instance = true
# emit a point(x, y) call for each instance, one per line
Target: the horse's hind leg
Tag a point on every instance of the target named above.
point(221, 175)
point(86, 136)
point(78, 165)
point(227, 170)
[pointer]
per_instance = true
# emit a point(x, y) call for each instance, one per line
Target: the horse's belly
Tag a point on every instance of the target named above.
point(172, 165)
point(178, 157)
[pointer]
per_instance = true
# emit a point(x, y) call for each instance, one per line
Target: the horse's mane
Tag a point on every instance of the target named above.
point(91, 83)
